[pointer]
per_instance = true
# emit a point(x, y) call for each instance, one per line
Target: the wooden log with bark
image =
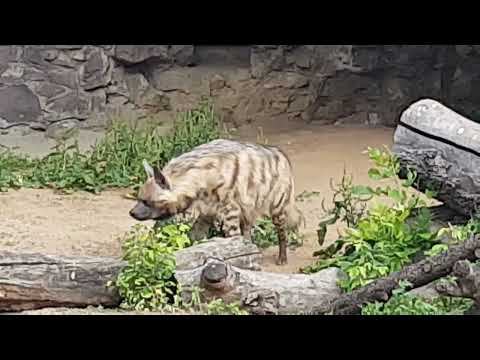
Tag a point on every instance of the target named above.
point(34, 281)
point(418, 274)
point(223, 268)
point(443, 147)
point(261, 292)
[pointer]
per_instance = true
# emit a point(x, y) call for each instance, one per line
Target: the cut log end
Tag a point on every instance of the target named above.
point(441, 145)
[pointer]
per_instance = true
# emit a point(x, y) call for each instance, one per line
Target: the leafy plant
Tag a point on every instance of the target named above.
point(460, 233)
point(382, 240)
point(147, 282)
point(115, 161)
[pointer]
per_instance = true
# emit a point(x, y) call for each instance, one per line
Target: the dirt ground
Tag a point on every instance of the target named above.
point(86, 224)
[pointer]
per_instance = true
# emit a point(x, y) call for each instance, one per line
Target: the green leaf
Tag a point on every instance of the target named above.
point(375, 174)
point(361, 190)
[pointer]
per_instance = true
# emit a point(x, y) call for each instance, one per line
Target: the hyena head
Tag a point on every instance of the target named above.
point(155, 198)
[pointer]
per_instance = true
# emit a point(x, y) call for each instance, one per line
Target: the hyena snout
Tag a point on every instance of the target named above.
point(142, 212)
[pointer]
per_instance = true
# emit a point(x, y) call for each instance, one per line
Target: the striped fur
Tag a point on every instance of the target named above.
point(233, 182)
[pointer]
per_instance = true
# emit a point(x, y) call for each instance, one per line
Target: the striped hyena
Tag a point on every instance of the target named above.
point(233, 182)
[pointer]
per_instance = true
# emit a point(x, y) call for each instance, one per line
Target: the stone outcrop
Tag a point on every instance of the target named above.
point(60, 86)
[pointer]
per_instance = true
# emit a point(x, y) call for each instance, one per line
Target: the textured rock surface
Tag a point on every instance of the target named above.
point(370, 84)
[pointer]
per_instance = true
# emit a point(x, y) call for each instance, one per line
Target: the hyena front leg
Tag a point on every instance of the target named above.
point(246, 228)
point(201, 228)
point(280, 222)
point(230, 219)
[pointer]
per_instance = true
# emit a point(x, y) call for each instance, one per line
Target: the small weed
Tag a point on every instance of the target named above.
point(264, 235)
point(378, 241)
point(218, 307)
point(306, 195)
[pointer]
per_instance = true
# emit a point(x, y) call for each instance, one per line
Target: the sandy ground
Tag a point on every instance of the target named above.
point(86, 224)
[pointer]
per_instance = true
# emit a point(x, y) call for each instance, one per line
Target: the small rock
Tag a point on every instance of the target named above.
point(50, 55)
point(134, 54)
point(96, 71)
point(182, 54)
point(68, 78)
point(62, 130)
point(136, 85)
point(116, 100)
point(79, 55)
point(68, 47)
point(49, 90)
point(154, 100)
point(171, 80)
point(217, 82)
point(38, 126)
point(374, 119)
point(289, 80)
point(299, 103)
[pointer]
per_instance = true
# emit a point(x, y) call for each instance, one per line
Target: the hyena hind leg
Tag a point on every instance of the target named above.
point(280, 222)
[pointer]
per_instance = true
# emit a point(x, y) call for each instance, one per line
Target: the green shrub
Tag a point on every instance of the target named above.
point(115, 161)
point(147, 282)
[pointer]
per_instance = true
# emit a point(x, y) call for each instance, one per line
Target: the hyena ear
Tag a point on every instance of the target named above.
point(160, 179)
point(148, 169)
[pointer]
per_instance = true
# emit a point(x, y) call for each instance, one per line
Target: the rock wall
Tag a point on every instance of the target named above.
point(44, 87)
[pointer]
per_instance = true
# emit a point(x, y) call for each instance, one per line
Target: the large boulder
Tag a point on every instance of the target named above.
point(18, 104)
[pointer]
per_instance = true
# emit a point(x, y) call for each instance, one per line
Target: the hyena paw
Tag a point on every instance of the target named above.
point(282, 260)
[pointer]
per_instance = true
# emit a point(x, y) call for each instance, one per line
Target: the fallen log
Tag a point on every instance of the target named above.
point(35, 281)
point(466, 283)
point(263, 293)
point(444, 148)
point(418, 274)
point(236, 251)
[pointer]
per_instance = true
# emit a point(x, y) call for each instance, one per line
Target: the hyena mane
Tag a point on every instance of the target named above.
point(231, 182)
